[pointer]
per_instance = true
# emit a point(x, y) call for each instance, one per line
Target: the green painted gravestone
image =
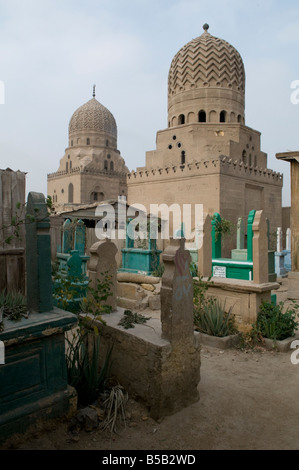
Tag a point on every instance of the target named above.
point(33, 379)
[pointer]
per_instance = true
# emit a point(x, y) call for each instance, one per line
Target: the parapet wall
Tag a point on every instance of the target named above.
point(217, 165)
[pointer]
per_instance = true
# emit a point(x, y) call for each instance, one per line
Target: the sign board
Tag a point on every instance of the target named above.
point(219, 271)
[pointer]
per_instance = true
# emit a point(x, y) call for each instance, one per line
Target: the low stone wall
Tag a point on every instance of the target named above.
point(161, 375)
point(137, 291)
point(244, 297)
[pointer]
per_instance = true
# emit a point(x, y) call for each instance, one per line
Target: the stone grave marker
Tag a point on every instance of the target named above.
point(79, 242)
point(205, 248)
point(177, 293)
point(67, 237)
point(260, 248)
point(102, 261)
point(38, 255)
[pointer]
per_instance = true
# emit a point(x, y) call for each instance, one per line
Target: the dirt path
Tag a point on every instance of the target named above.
point(248, 401)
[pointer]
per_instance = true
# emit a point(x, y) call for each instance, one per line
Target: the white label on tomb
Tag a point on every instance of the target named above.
point(2, 353)
point(219, 271)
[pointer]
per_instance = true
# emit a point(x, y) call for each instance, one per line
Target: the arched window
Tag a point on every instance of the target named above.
point(71, 193)
point(239, 118)
point(244, 157)
point(223, 116)
point(183, 158)
point(111, 166)
point(202, 117)
point(181, 119)
point(106, 165)
point(88, 141)
point(67, 166)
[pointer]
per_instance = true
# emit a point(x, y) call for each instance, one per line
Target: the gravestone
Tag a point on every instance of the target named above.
point(287, 251)
point(103, 262)
point(74, 264)
point(280, 254)
point(79, 242)
point(240, 253)
point(158, 362)
point(177, 293)
point(33, 379)
point(67, 237)
point(260, 248)
point(205, 248)
point(272, 276)
point(38, 255)
point(240, 234)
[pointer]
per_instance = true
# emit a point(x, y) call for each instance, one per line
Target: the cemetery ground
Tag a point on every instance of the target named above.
point(248, 401)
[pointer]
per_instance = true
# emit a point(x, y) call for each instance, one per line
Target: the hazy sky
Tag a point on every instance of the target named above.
point(52, 52)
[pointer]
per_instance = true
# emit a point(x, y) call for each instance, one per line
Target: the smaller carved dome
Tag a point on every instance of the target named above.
point(93, 116)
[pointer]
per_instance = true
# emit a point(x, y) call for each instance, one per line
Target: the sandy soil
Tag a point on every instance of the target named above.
point(248, 401)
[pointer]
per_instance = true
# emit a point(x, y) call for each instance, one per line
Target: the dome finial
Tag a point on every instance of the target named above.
point(206, 26)
point(94, 91)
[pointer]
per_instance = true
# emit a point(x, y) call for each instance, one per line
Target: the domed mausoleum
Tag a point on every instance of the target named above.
point(207, 154)
point(92, 168)
point(206, 83)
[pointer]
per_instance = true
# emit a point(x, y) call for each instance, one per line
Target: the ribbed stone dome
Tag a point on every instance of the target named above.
point(206, 83)
point(206, 61)
point(93, 116)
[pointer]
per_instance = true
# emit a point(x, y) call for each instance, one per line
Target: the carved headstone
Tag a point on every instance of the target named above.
point(102, 262)
point(204, 242)
point(67, 237)
point(79, 242)
point(38, 255)
point(240, 234)
point(177, 293)
point(279, 240)
point(74, 264)
point(260, 248)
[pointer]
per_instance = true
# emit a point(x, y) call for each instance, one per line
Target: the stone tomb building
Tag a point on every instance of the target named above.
point(92, 168)
point(208, 155)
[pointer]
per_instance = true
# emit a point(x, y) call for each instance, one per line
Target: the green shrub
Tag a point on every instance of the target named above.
point(275, 324)
point(213, 320)
point(159, 271)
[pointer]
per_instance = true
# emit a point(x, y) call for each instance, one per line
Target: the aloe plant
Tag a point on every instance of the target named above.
point(213, 320)
point(13, 306)
point(84, 369)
